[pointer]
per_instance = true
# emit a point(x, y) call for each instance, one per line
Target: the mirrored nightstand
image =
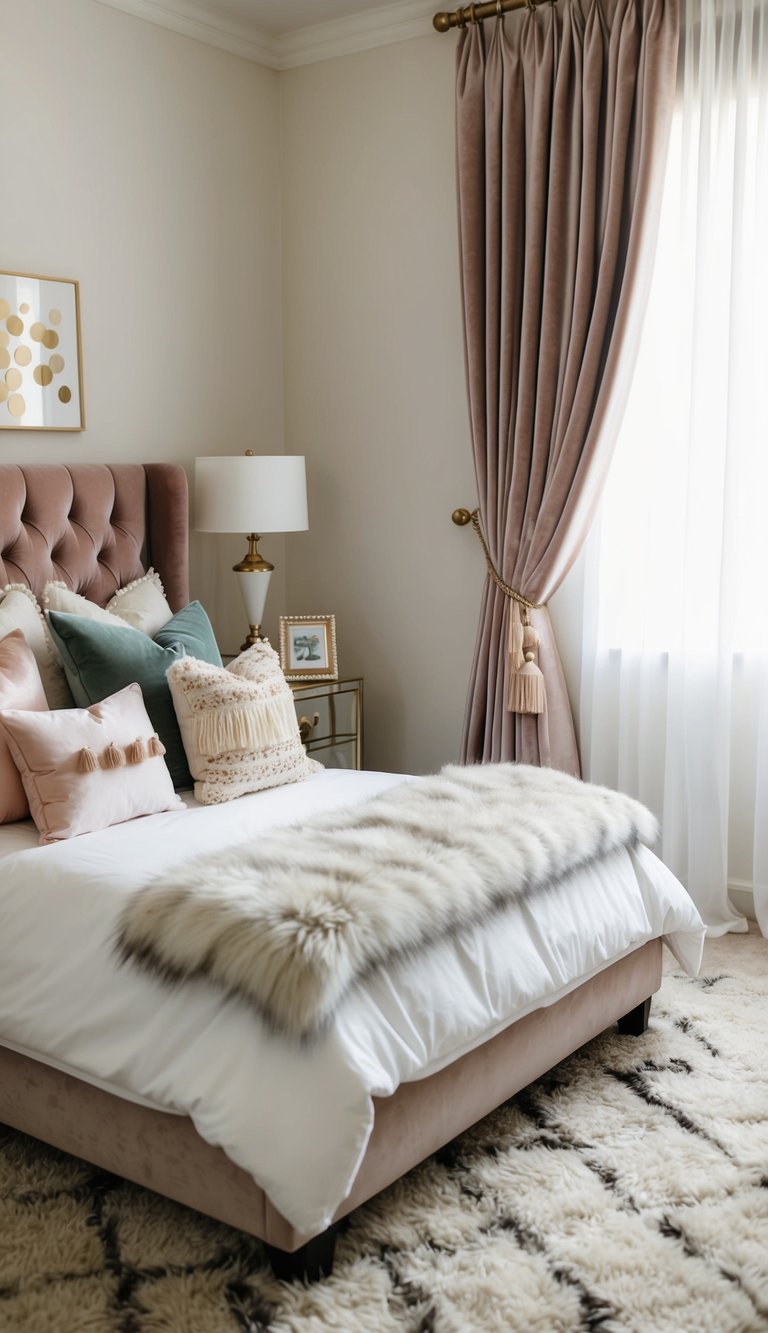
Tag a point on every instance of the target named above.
point(330, 714)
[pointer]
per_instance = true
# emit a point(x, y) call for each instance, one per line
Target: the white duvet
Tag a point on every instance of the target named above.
point(297, 1121)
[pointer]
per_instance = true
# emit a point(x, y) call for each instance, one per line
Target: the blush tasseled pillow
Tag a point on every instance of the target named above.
point(21, 688)
point(86, 768)
point(238, 725)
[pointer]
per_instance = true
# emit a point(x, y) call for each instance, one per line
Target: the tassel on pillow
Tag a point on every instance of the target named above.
point(112, 757)
point(87, 761)
point(136, 752)
point(155, 747)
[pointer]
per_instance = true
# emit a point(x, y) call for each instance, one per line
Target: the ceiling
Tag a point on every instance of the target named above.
point(284, 16)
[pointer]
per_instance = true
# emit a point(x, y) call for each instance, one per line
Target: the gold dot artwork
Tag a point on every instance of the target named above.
point(12, 379)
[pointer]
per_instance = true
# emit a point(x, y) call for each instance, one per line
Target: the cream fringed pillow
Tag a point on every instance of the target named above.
point(238, 725)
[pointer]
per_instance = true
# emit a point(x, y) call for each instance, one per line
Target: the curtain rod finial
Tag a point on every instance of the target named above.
point(441, 22)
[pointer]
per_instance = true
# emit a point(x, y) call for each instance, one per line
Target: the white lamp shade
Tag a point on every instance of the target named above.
point(251, 493)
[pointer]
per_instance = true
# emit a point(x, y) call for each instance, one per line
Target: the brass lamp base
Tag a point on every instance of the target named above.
point(253, 562)
point(254, 590)
point(254, 636)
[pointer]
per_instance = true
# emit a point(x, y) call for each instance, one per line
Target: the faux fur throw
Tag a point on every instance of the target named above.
point(293, 922)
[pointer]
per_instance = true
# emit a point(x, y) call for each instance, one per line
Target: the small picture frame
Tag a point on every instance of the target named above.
point(41, 372)
point(308, 647)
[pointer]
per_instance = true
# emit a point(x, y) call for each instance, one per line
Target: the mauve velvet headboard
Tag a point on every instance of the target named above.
point(95, 526)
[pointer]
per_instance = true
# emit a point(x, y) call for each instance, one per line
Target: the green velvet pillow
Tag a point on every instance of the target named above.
point(101, 659)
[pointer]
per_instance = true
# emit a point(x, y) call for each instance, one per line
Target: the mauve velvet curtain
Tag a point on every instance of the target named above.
point(563, 118)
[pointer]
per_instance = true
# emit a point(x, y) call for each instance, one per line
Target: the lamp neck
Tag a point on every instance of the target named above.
point(253, 562)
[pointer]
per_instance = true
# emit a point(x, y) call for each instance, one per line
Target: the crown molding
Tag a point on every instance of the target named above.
point(391, 23)
point(398, 22)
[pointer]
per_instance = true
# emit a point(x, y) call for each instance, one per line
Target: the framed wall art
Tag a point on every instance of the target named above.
point(308, 647)
point(41, 376)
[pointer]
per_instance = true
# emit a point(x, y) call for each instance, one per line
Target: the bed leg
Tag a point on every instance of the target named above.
point(311, 1262)
point(635, 1023)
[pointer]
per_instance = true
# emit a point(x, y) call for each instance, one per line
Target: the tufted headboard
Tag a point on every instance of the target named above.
point(95, 526)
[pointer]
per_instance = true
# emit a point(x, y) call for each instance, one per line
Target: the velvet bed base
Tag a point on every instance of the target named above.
point(98, 527)
point(166, 1154)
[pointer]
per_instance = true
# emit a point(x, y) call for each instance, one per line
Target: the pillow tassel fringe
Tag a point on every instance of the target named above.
point(136, 752)
point(87, 761)
point(246, 726)
point(113, 757)
point(155, 747)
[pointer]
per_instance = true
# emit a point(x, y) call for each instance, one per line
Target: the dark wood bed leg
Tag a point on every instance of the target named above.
point(311, 1262)
point(635, 1023)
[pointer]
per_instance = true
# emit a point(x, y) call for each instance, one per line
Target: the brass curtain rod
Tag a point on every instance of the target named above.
point(459, 18)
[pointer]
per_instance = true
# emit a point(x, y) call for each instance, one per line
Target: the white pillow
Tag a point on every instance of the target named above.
point(19, 610)
point(239, 725)
point(141, 604)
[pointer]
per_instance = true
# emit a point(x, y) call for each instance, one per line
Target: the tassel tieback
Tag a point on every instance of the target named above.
point(496, 577)
point(115, 756)
point(526, 683)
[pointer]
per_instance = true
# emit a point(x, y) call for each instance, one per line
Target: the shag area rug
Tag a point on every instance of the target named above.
point(626, 1190)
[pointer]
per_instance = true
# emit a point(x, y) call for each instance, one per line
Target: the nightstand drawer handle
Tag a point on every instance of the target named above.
point(307, 725)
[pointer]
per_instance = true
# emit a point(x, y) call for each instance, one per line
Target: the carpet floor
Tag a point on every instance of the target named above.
point(627, 1190)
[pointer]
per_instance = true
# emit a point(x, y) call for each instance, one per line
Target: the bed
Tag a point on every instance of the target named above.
point(185, 1091)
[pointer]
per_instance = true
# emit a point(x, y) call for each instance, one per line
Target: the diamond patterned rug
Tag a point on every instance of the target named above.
point(628, 1190)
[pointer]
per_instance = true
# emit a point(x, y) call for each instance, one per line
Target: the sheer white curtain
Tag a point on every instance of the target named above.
point(674, 705)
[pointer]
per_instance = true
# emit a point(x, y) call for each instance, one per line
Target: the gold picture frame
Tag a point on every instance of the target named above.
point(308, 647)
point(41, 363)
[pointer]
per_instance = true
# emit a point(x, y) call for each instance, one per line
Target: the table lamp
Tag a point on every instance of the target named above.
point(252, 494)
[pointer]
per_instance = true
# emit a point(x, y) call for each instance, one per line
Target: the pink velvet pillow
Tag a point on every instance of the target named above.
point(20, 687)
point(86, 768)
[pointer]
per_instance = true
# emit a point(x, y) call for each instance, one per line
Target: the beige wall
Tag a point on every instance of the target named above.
point(148, 166)
point(374, 380)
